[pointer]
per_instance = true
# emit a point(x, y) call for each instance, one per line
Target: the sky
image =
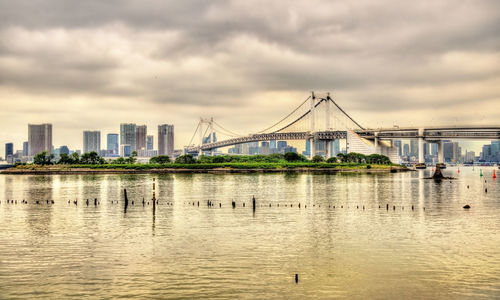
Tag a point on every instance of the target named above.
point(91, 65)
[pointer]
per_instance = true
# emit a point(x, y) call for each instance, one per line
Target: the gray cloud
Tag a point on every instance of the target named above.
point(222, 58)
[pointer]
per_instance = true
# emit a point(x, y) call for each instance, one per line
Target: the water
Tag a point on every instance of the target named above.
point(184, 251)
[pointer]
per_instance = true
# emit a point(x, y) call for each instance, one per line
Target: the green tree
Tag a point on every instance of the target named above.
point(75, 158)
point(120, 161)
point(162, 159)
point(92, 158)
point(185, 159)
point(331, 160)
point(43, 158)
point(294, 157)
point(318, 159)
point(341, 157)
point(64, 159)
point(204, 159)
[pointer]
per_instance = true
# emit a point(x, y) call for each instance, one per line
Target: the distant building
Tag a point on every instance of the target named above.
point(264, 148)
point(113, 144)
point(406, 150)
point(9, 150)
point(414, 147)
point(26, 149)
point(128, 136)
point(39, 138)
point(166, 139)
point(149, 142)
point(281, 145)
point(64, 150)
point(126, 150)
point(141, 133)
point(397, 144)
point(91, 141)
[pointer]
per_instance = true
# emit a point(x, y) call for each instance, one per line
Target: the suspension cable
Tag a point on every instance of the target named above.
point(226, 130)
point(286, 116)
point(329, 98)
point(300, 118)
point(196, 130)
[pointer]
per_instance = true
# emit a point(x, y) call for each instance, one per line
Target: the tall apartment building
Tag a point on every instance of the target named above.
point(149, 142)
point(39, 138)
point(26, 149)
point(91, 141)
point(166, 139)
point(141, 133)
point(113, 144)
point(128, 136)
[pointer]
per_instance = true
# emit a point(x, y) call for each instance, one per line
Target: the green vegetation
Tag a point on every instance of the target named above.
point(162, 159)
point(288, 160)
point(43, 158)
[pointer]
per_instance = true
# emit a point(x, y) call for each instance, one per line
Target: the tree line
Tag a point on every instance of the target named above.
point(93, 158)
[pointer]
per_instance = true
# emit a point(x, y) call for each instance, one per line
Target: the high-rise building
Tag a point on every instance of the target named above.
point(406, 150)
point(39, 138)
point(26, 149)
point(91, 141)
point(141, 132)
point(281, 145)
point(166, 139)
point(128, 135)
point(149, 142)
point(63, 150)
point(397, 144)
point(113, 144)
point(9, 150)
point(414, 147)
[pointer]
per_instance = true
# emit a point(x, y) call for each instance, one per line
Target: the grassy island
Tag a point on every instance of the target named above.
point(288, 162)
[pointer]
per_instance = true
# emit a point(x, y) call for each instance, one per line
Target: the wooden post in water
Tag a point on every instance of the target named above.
point(154, 196)
point(253, 202)
point(126, 200)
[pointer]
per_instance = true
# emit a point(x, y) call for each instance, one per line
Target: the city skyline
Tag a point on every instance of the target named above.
point(387, 63)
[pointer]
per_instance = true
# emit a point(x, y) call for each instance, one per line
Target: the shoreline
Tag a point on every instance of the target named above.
point(83, 171)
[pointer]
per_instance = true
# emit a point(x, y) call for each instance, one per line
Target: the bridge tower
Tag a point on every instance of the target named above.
point(311, 139)
point(210, 128)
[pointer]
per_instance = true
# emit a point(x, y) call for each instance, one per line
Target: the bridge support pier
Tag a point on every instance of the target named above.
point(328, 151)
point(376, 143)
point(421, 158)
point(313, 148)
point(440, 152)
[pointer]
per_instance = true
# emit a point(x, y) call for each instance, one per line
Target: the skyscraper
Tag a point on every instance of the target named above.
point(149, 142)
point(39, 138)
point(397, 144)
point(165, 139)
point(113, 144)
point(91, 141)
point(9, 150)
point(128, 135)
point(26, 149)
point(141, 133)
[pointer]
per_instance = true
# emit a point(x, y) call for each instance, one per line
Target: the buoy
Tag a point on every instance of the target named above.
point(467, 206)
point(494, 174)
point(458, 169)
point(480, 173)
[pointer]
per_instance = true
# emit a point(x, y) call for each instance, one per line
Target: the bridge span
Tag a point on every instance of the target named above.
point(320, 118)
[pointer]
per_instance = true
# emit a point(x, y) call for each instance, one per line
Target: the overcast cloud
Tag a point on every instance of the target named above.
point(95, 64)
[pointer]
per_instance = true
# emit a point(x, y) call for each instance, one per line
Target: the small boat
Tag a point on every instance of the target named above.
point(420, 166)
point(441, 165)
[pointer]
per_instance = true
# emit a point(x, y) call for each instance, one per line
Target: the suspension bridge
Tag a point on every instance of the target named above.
point(320, 118)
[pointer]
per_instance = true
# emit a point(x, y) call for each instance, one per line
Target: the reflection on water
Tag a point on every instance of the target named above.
point(339, 241)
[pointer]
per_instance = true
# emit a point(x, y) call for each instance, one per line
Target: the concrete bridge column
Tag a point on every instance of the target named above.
point(328, 146)
point(440, 152)
point(313, 148)
point(421, 158)
point(376, 143)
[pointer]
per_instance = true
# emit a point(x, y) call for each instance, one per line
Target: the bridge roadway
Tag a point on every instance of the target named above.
point(320, 135)
point(433, 133)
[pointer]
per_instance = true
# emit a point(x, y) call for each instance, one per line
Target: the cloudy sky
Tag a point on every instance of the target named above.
point(96, 64)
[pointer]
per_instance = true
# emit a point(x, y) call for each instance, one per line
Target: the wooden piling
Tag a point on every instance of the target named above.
point(253, 202)
point(126, 200)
